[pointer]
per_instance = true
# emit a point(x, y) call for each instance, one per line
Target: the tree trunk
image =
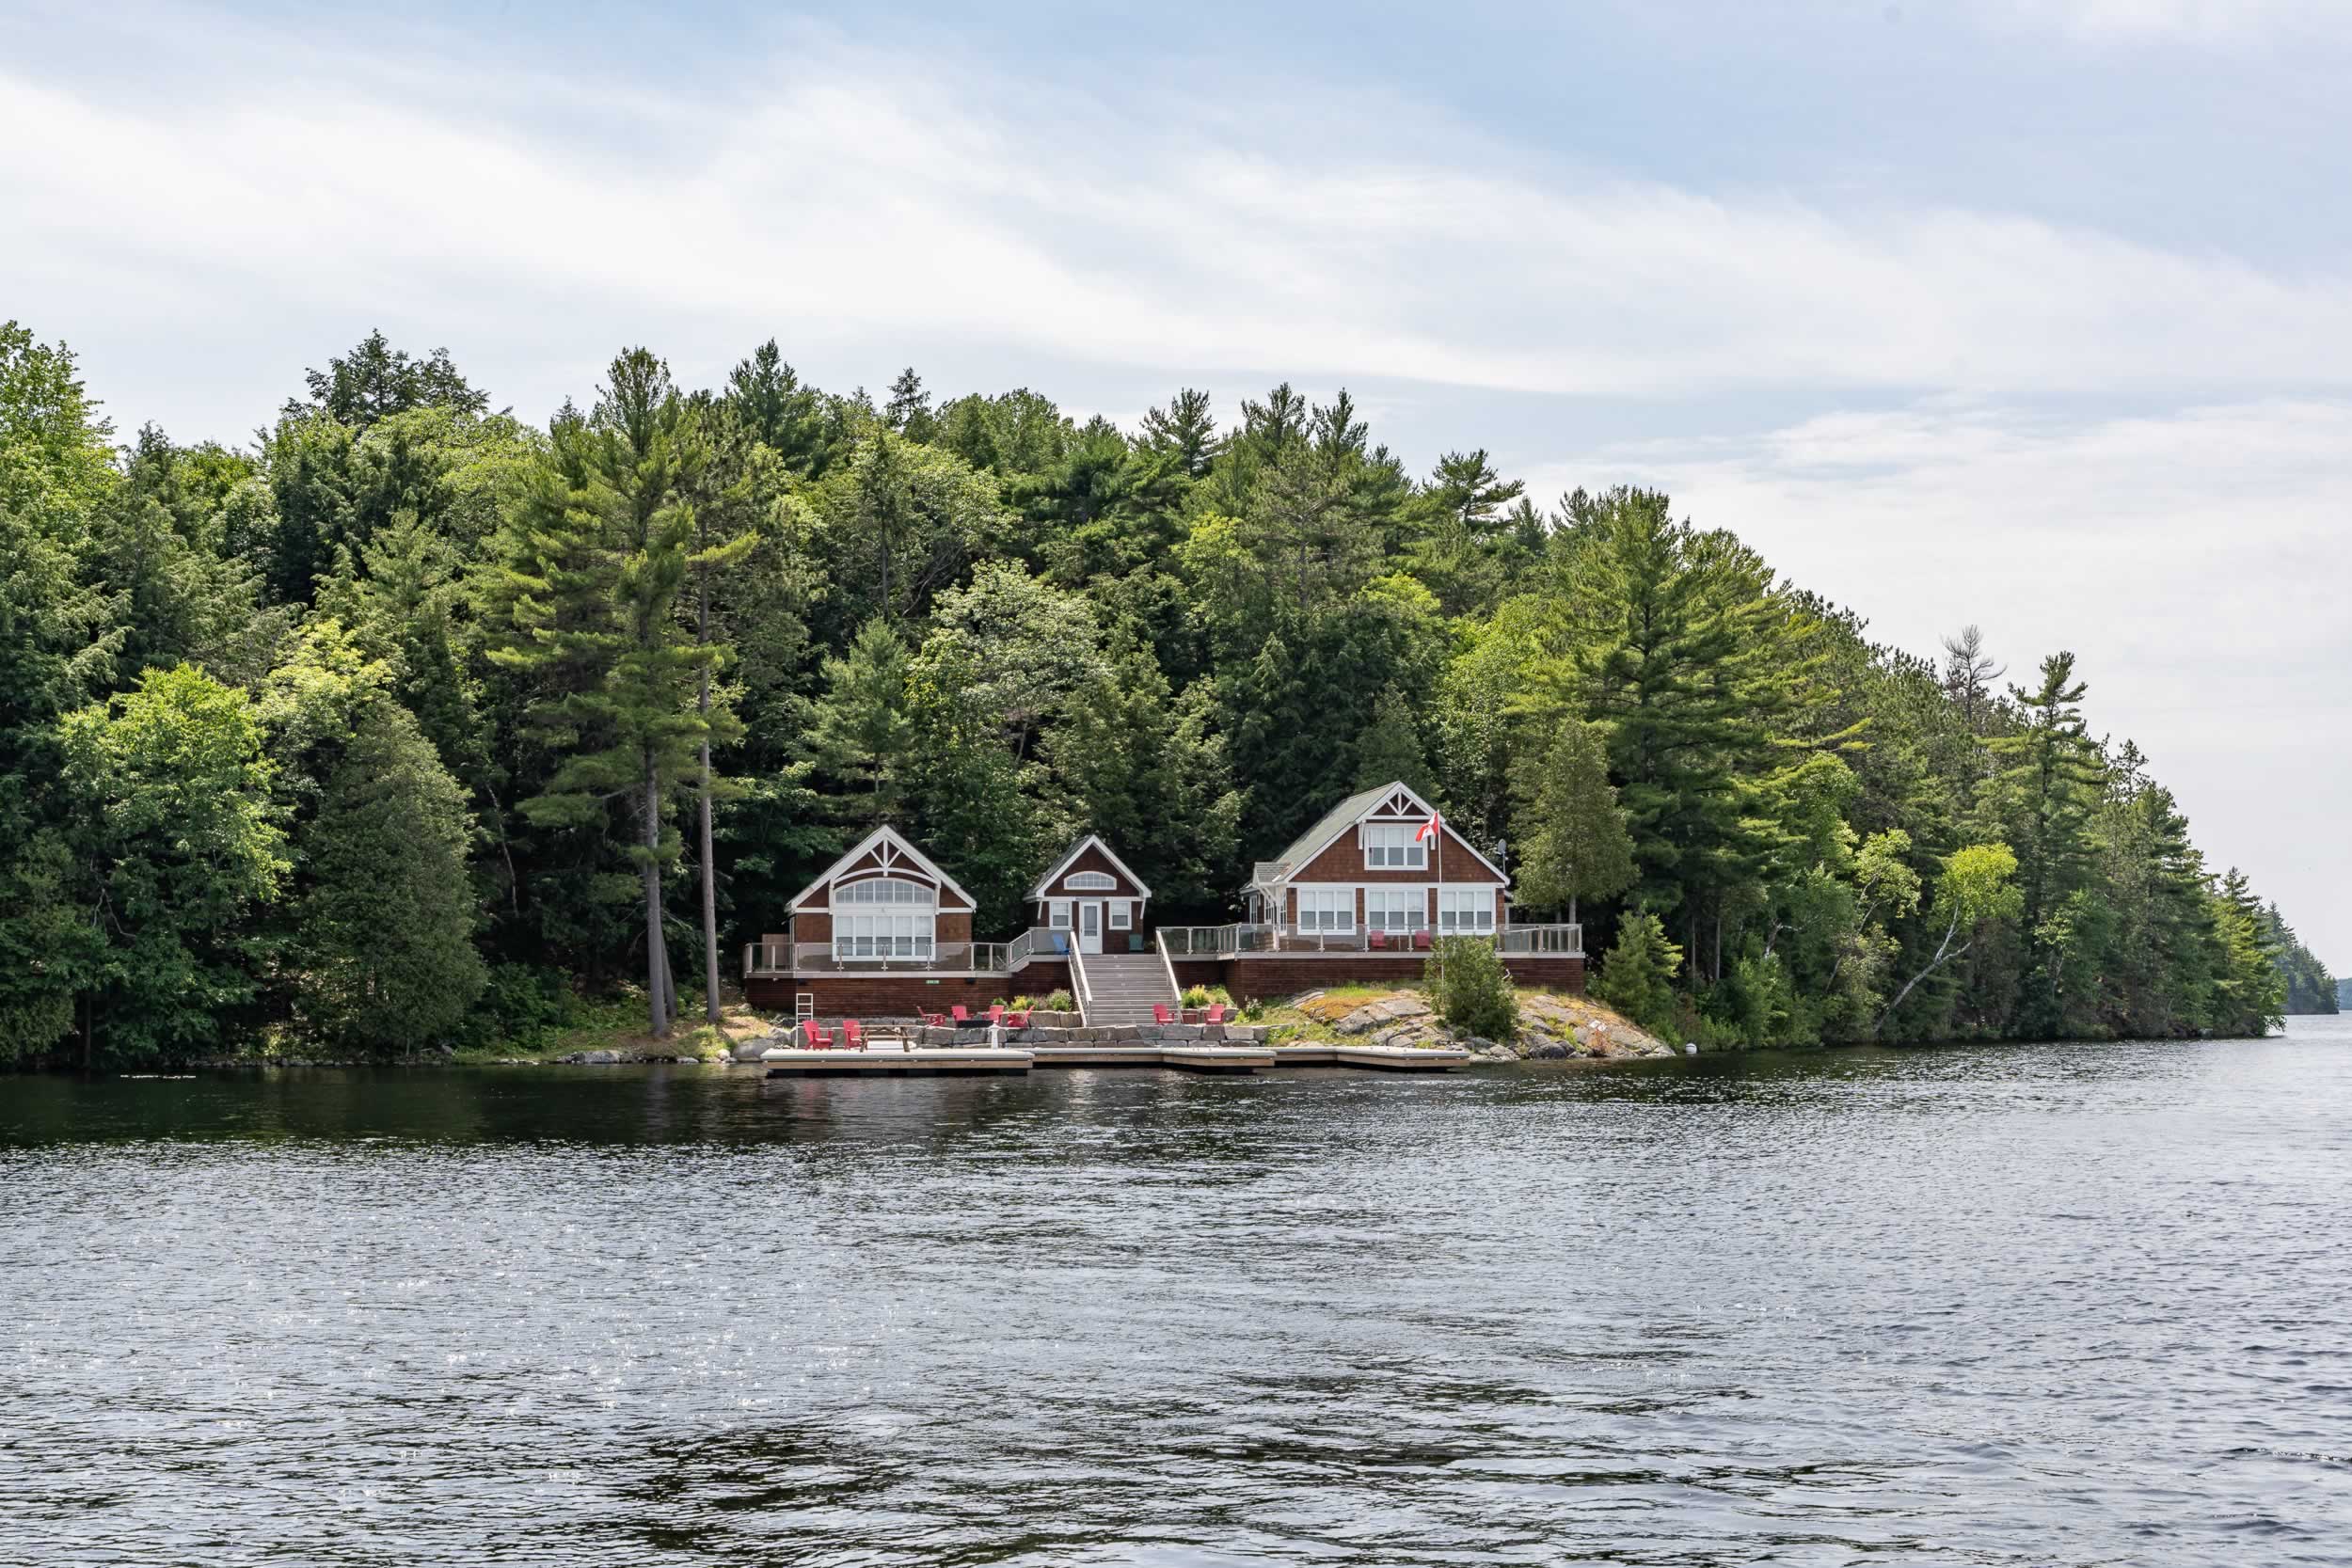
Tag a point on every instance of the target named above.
point(709, 870)
point(1943, 951)
point(656, 978)
point(710, 885)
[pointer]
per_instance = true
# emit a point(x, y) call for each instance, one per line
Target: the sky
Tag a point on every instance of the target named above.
point(2035, 314)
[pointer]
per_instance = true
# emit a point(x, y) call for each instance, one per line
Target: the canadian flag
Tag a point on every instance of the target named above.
point(1428, 829)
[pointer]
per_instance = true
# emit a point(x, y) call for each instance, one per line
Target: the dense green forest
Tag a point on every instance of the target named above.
point(2309, 989)
point(411, 718)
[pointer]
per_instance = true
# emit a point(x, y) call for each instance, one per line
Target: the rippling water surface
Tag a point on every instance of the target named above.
point(2032, 1306)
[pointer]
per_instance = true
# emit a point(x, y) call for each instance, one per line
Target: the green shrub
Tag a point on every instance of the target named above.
point(1470, 989)
point(521, 1006)
point(1058, 1002)
point(1637, 975)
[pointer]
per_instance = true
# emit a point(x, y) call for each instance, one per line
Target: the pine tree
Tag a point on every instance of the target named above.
point(2045, 798)
point(862, 733)
point(1573, 842)
point(1389, 750)
point(597, 563)
point(909, 410)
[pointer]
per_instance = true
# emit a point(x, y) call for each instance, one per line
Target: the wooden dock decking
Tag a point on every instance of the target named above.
point(957, 1061)
point(919, 1062)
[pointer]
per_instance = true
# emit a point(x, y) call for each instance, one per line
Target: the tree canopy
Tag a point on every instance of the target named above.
point(410, 702)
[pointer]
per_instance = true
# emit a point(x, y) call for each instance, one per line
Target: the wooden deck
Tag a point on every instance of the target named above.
point(922, 1062)
point(959, 1061)
point(1380, 1058)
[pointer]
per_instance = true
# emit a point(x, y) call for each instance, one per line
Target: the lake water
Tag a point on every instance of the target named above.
point(2032, 1306)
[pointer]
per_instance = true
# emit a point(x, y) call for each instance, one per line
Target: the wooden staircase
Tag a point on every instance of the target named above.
point(1121, 988)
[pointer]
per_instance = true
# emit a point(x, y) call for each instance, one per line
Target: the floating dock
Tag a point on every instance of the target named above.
point(891, 1061)
point(1190, 1058)
point(1380, 1058)
point(918, 1062)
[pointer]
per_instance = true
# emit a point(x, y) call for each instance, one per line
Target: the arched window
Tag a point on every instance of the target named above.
point(1090, 882)
point(883, 889)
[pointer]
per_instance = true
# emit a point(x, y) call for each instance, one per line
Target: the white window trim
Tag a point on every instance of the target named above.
point(1122, 915)
point(1413, 852)
point(900, 935)
point(1057, 914)
point(1346, 896)
point(1481, 904)
point(1416, 896)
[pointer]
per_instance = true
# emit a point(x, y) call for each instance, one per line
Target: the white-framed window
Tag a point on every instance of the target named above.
point(1396, 909)
point(1326, 909)
point(882, 936)
point(883, 890)
point(1122, 915)
point(1089, 881)
point(1466, 911)
point(1390, 845)
point(1057, 914)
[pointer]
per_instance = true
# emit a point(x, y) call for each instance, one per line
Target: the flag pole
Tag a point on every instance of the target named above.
point(1440, 820)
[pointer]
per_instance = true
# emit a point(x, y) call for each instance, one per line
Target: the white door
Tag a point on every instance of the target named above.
point(1090, 926)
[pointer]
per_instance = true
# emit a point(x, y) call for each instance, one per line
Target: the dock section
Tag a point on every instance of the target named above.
point(919, 1062)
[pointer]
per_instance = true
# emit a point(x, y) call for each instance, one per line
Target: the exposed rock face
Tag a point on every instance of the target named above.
point(1576, 1027)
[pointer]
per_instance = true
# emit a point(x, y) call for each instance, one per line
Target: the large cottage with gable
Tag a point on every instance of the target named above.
point(1362, 894)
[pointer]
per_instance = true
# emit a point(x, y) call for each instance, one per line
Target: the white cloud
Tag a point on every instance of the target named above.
point(220, 207)
point(852, 194)
point(2197, 563)
point(2196, 22)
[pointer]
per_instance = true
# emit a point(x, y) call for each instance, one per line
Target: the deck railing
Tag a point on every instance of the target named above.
point(1175, 942)
point(1244, 940)
point(962, 958)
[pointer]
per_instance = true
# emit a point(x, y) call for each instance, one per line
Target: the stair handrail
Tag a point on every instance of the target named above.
point(1078, 974)
point(1159, 939)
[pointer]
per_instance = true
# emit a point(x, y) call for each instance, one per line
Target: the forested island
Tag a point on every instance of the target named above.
point(413, 721)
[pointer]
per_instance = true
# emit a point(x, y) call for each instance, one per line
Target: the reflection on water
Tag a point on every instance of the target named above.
point(2027, 1306)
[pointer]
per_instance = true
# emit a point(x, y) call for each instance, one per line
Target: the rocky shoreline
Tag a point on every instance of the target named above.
point(1551, 1028)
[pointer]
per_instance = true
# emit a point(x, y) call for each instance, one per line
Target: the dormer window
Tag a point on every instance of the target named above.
point(1392, 846)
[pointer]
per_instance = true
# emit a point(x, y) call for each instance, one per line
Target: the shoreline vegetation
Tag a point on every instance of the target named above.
point(416, 729)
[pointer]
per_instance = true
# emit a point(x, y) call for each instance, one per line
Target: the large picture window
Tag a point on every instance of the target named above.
point(1395, 908)
point(882, 936)
point(1390, 845)
point(1326, 909)
point(1466, 911)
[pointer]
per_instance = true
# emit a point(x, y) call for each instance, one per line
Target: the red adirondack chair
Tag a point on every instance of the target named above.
point(817, 1038)
point(1377, 941)
point(852, 1035)
point(962, 1018)
point(1420, 939)
point(995, 1013)
point(934, 1020)
point(1016, 1021)
point(1160, 1013)
point(1216, 1013)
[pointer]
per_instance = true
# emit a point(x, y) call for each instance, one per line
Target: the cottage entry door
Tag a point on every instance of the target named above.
point(1090, 926)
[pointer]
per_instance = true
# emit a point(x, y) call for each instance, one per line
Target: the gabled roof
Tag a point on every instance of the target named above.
point(1332, 823)
point(1046, 881)
point(893, 839)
